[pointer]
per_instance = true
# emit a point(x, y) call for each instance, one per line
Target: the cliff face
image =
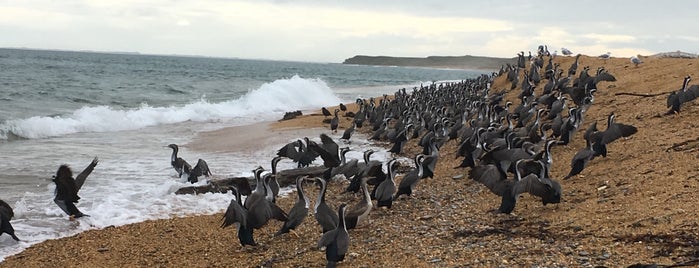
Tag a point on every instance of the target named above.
point(457, 62)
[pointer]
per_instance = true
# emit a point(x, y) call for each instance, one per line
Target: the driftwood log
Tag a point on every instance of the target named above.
point(246, 184)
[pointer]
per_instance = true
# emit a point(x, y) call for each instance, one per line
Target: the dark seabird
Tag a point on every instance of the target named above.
point(574, 67)
point(386, 189)
point(180, 165)
point(299, 211)
point(343, 107)
point(271, 180)
point(237, 214)
point(497, 182)
point(335, 122)
point(325, 216)
point(259, 204)
point(537, 185)
point(328, 150)
point(359, 212)
point(6, 214)
point(613, 132)
point(325, 111)
point(347, 169)
point(201, 169)
point(303, 156)
point(580, 160)
point(336, 241)
point(410, 180)
point(685, 94)
point(67, 188)
point(347, 134)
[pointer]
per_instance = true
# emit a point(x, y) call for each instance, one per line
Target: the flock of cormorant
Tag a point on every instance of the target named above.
point(506, 146)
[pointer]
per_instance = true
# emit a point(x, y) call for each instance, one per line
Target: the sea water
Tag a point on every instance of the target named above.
point(60, 107)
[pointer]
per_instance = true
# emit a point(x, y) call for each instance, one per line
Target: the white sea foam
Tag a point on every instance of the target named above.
point(263, 103)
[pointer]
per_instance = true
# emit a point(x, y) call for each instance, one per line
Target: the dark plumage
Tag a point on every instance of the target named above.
point(509, 189)
point(613, 132)
point(347, 134)
point(67, 188)
point(328, 151)
point(410, 180)
point(580, 160)
point(325, 111)
point(359, 212)
point(299, 211)
point(325, 216)
point(386, 189)
point(236, 213)
point(6, 214)
point(685, 94)
point(303, 156)
point(336, 241)
point(335, 122)
point(179, 164)
point(259, 205)
point(201, 169)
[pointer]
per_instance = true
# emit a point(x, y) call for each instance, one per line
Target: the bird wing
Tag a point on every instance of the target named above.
point(234, 213)
point(329, 159)
point(693, 92)
point(489, 176)
point(590, 131)
point(342, 239)
point(385, 190)
point(80, 179)
point(616, 131)
point(289, 151)
point(277, 212)
point(604, 76)
point(327, 238)
point(531, 184)
point(202, 168)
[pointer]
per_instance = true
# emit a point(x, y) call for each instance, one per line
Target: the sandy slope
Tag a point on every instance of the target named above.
point(636, 205)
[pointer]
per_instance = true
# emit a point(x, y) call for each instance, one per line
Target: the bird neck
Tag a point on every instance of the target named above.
point(174, 154)
point(321, 195)
point(342, 219)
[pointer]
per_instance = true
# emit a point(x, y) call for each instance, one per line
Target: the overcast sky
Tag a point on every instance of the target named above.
point(332, 30)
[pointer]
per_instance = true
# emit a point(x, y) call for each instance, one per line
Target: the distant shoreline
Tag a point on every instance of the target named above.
point(447, 62)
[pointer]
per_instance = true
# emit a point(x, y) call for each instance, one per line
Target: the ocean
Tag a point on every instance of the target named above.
point(59, 107)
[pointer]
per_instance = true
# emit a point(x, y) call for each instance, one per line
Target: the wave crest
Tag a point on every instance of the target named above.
point(262, 103)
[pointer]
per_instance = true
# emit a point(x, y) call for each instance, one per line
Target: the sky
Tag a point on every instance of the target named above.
point(333, 30)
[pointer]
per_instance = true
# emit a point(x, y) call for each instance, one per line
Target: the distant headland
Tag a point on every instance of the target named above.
point(454, 62)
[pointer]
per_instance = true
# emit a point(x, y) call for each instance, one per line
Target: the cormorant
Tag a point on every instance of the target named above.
point(325, 216)
point(299, 211)
point(6, 214)
point(336, 241)
point(236, 213)
point(67, 188)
